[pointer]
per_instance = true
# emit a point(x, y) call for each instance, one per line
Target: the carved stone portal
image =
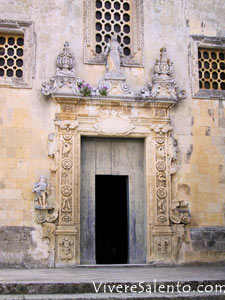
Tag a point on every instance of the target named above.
point(111, 116)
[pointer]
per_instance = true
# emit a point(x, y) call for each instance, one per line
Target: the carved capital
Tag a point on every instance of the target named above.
point(67, 125)
point(161, 129)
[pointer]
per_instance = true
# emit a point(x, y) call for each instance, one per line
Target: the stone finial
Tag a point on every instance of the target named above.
point(65, 62)
point(65, 80)
point(163, 85)
point(163, 66)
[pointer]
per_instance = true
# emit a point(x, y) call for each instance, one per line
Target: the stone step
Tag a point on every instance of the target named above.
point(124, 296)
point(54, 287)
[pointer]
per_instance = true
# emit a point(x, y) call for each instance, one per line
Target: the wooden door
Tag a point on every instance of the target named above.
point(113, 156)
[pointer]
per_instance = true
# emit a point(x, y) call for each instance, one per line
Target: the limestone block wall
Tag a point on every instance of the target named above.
point(26, 118)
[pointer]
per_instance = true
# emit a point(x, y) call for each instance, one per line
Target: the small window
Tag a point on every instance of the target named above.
point(207, 67)
point(16, 54)
point(105, 18)
point(211, 64)
point(112, 18)
point(11, 55)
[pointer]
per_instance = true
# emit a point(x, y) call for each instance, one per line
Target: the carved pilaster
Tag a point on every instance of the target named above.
point(162, 182)
point(66, 233)
point(170, 217)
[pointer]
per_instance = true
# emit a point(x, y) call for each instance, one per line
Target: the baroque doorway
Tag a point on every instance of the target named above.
point(113, 203)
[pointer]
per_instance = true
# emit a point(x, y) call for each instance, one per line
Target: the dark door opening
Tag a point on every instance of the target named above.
point(111, 196)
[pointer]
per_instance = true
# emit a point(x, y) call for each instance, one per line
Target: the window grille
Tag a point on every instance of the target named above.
point(113, 17)
point(211, 64)
point(11, 55)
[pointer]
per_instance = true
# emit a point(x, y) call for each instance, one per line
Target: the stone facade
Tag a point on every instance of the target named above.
point(43, 119)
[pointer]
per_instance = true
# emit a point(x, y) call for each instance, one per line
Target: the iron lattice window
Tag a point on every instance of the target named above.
point(113, 17)
point(211, 64)
point(11, 55)
point(103, 19)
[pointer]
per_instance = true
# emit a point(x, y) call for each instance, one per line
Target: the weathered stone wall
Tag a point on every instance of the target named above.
point(27, 116)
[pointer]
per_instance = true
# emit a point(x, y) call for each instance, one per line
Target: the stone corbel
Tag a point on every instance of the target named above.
point(180, 213)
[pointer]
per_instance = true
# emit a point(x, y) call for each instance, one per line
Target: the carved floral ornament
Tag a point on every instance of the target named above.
point(162, 87)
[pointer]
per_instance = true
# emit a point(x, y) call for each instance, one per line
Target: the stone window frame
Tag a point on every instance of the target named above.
point(137, 35)
point(26, 29)
point(203, 42)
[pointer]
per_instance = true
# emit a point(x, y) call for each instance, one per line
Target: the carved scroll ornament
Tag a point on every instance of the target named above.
point(179, 213)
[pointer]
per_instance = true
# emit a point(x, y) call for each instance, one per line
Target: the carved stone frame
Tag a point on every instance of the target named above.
point(137, 47)
point(162, 236)
point(196, 43)
point(27, 30)
point(106, 116)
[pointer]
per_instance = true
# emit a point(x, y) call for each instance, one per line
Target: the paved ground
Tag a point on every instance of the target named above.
point(114, 274)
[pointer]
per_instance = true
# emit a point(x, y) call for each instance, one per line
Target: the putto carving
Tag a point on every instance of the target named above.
point(163, 86)
point(180, 212)
point(41, 189)
point(46, 209)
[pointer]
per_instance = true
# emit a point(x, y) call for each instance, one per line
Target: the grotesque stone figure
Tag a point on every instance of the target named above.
point(41, 188)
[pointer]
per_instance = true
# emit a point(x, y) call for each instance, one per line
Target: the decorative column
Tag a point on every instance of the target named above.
point(67, 231)
point(161, 235)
